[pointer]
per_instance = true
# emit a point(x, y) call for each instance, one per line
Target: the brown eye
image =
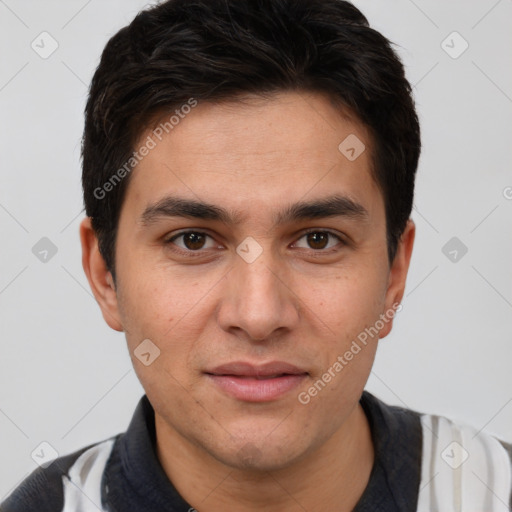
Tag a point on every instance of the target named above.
point(192, 241)
point(318, 240)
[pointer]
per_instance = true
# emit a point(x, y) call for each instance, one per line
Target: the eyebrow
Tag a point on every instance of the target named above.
point(332, 206)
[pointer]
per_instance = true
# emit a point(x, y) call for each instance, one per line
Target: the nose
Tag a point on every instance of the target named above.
point(259, 299)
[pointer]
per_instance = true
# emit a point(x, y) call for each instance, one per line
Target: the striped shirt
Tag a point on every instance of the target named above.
point(423, 463)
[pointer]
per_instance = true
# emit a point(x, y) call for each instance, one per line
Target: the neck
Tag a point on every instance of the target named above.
point(333, 477)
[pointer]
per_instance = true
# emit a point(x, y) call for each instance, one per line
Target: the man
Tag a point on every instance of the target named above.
point(248, 175)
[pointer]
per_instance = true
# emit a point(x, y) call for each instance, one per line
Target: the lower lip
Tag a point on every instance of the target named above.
point(257, 390)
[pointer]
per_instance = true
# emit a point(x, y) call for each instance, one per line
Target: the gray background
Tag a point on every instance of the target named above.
point(66, 378)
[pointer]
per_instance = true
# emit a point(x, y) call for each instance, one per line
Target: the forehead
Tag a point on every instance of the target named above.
point(256, 153)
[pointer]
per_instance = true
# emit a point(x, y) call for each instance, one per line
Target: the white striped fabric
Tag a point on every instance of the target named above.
point(463, 470)
point(82, 490)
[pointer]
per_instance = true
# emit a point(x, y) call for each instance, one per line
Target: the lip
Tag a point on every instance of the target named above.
point(257, 383)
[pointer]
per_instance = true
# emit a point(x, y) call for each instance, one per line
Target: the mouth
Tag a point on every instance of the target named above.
point(257, 383)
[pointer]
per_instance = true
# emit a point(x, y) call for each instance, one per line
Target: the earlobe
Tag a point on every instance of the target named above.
point(99, 277)
point(398, 275)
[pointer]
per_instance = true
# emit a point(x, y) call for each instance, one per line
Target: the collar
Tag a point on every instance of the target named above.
point(397, 440)
point(135, 480)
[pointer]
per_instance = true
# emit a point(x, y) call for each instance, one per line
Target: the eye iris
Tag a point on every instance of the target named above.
point(317, 240)
point(193, 241)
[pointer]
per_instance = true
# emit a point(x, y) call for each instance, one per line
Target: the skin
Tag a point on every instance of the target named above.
point(297, 302)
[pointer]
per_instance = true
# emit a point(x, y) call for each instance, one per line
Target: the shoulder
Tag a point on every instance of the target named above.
point(453, 464)
point(46, 489)
point(461, 464)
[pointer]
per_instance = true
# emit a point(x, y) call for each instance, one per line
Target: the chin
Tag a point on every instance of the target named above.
point(261, 455)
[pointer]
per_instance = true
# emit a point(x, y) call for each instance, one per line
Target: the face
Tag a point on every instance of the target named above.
point(252, 252)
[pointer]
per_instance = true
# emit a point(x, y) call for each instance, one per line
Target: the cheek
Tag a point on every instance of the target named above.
point(344, 308)
point(172, 313)
point(161, 303)
point(347, 300)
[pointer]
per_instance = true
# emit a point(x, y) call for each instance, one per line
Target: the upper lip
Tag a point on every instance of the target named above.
point(245, 369)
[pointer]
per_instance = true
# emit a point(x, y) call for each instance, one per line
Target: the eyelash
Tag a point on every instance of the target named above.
point(200, 252)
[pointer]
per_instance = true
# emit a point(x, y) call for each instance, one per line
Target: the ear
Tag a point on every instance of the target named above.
point(398, 274)
point(100, 279)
